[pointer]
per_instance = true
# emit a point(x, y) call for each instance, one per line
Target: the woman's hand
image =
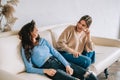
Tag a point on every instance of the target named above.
point(69, 70)
point(50, 72)
point(87, 32)
point(76, 54)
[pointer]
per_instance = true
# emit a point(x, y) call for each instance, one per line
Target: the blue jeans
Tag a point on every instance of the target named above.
point(61, 71)
point(90, 55)
point(83, 60)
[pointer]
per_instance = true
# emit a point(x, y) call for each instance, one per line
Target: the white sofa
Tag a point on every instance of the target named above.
point(12, 66)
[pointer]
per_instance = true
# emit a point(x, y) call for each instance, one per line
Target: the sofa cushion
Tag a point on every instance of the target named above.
point(46, 35)
point(9, 33)
point(10, 57)
point(31, 76)
point(8, 76)
point(105, 56)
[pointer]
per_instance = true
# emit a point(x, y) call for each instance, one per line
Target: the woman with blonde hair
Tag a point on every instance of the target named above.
point(75, 43)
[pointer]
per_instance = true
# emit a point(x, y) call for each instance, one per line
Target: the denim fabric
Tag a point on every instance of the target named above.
point(61, 70)
point(82, 60)
point(90, 55)
point(91, 77)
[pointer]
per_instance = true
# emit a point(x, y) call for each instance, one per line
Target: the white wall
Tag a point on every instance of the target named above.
point(105, 14)
point(119, 20)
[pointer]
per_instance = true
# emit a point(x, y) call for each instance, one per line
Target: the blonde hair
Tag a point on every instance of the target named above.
point(87, 19)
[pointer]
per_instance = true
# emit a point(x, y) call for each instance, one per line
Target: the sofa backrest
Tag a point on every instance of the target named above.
point(47, 35)
point(10, 57)
point(9, 33)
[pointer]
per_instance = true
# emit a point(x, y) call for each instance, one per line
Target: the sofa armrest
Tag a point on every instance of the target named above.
point(8, 76)
point(106, 41)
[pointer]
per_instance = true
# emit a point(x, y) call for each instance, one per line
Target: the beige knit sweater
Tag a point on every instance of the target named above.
point(70, 40)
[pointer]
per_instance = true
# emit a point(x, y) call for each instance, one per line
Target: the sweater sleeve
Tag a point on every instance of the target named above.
point(89, 45)
point(63, 40)
point(29, 66)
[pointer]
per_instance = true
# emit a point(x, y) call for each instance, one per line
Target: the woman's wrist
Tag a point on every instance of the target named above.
point(68, 66)
point(44, 70)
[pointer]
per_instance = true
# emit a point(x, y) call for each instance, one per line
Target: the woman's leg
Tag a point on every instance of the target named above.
point(61, 74)
point(82, 60)
point(78, 71)
point(91, 55)
point(81, 73)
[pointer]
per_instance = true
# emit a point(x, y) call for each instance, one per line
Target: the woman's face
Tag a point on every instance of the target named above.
point(81, 26)
point(34, 33)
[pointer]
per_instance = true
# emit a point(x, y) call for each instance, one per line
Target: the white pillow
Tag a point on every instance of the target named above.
point(10, 57)
point(46, 35)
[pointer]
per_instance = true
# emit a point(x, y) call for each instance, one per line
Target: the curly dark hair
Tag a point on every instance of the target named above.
point(26, 38)
point(87, 19)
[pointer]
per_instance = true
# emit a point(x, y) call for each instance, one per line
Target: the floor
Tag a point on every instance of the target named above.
point(114, 72)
